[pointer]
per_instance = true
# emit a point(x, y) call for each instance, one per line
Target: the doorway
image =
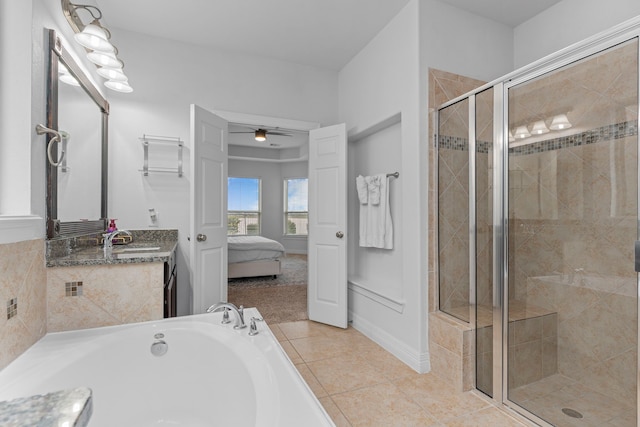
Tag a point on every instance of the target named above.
point(267, 167)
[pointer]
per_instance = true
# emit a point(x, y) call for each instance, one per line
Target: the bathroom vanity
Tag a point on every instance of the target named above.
point(87, 287)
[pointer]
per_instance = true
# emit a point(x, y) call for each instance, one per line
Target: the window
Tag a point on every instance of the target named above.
point(296, 207)
point(243, 216)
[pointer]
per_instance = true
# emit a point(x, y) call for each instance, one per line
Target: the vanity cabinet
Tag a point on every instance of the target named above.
point(104, 295)
point(132, 283)
point(170, 287)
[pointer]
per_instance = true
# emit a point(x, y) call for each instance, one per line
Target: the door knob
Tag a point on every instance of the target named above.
point(201, 237)
point(339, 234)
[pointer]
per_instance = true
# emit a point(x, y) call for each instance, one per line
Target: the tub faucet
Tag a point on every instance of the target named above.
point(108, 240)
point(238, 311)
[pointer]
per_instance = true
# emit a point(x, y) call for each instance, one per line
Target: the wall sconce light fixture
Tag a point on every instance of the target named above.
point(522, 132)
point(560, 122)
point(539, 128)
point(94, 37)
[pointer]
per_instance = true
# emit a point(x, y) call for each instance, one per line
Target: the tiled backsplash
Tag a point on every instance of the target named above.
point(23, 280)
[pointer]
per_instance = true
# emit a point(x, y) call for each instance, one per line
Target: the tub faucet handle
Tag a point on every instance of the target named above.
point(253, 328)
point(225, 316)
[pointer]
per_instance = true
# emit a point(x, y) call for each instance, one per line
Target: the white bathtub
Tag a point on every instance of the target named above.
point(211, 374)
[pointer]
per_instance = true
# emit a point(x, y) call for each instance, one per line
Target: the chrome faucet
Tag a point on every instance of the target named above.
point(108, 240)
point(238, 311)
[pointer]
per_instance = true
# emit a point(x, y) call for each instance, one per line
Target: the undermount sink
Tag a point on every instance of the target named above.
point(137, 249)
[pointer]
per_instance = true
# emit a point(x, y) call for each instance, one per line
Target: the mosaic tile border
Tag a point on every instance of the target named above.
point(601, 134)
point(73, 289)
point(462, 144)
point(12, 308)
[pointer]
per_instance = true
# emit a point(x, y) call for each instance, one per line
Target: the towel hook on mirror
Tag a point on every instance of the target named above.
point(41, 130)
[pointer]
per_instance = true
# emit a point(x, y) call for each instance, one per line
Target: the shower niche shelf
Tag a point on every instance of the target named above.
point(149, 141)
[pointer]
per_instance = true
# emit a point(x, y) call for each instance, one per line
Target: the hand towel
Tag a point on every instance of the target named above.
point(376, 226)
point(363, 192)
point(373, 186)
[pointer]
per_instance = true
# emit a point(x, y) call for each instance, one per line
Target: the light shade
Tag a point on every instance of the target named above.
point(560, 122)
point(521, 132)
point(94, 37)
point(539, 128)
point(261, 135)
point(104, 59)
point(112, 74)
point(118, 86)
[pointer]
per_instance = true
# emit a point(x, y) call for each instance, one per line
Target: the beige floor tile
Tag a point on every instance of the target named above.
point(319, 347)
point(488, 417)
point(311, 380)
point(381, 405)
point(438, 398)
point(304, 329)
point(345, 373)
point(277, 332)
point(334, 412)
point(387, 364)
point(291, 352)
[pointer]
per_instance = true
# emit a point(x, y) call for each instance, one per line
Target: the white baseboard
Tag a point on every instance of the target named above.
point(417, 361)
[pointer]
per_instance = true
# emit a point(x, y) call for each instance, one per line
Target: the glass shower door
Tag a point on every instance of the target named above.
point(572, 222)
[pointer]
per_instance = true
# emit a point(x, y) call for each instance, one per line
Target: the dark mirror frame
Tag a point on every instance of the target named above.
point(55, 227)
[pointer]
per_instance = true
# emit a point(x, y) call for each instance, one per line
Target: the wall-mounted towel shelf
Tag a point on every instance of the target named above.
point(149, 140)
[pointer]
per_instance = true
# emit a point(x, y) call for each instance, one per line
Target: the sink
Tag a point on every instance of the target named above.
point(142, 249)
point(138, 249)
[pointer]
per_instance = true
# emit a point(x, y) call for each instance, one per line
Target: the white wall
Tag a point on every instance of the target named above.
point(378, 83)
point(272, 175)
point(566, 23)
point(167, 77)
point(388, 77)
point(377, 268)
point(460, 42)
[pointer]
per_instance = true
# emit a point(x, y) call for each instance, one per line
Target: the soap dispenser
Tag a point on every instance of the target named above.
point(112, 226)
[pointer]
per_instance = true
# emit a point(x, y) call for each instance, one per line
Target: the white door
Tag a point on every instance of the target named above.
point(327, 296)
point(208, 246)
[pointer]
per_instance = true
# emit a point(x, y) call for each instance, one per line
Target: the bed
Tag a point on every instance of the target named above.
point(253, 256)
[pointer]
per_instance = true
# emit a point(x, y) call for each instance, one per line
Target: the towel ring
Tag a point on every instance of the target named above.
point(41, 130)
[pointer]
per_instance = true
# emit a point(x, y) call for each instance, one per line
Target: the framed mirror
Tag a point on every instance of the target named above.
point(77, 163)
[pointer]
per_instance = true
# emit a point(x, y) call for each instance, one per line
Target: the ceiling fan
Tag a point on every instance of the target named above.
point(260, 134)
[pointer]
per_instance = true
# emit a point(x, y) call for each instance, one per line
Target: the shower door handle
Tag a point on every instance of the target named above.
point(637, 256)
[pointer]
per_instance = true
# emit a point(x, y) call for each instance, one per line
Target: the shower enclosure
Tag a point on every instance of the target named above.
point(537, 224)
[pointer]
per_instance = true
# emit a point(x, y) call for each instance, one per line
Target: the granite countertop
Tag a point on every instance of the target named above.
point(71, 408)
point(147, 246)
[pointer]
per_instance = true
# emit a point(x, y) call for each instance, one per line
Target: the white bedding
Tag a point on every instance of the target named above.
point(252, 248)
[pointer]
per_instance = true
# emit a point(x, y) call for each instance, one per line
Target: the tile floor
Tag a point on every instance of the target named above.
point(361, 384)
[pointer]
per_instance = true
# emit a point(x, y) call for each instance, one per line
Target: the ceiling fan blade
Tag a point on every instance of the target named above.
point(278, 133)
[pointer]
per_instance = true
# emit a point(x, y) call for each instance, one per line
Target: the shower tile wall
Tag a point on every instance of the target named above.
point(443, 86)
point(573, 219)
point(453, 209)
point(454, 363)
point(23, 278)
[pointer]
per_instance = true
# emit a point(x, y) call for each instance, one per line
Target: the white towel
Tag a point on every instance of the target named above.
point(376, 226)
point(363, 192)
point(373, 186)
